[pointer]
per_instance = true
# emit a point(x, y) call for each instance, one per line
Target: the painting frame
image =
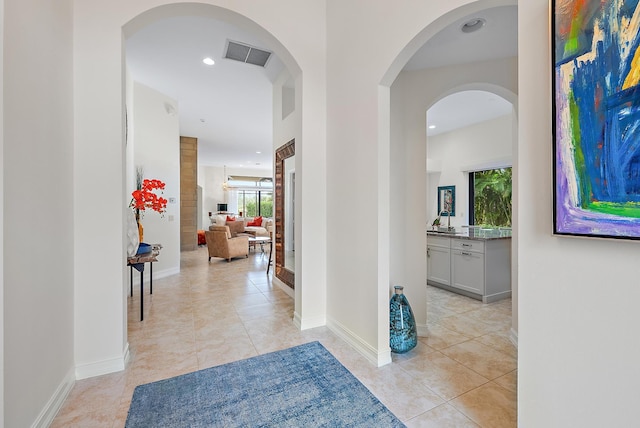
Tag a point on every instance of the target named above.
point(447, 200)
point(595, 118)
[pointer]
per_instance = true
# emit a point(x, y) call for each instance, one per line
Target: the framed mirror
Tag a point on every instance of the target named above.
point(284, 208)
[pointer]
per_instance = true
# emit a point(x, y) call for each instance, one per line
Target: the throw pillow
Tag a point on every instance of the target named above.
point(231, 218)
point(255, 222)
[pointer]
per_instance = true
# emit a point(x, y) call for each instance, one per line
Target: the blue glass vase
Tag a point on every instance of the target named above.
point(402, 324)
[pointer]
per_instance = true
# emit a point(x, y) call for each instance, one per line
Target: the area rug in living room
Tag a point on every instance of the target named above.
point(303, 386)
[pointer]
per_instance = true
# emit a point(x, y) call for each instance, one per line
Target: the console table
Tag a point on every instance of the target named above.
point(137, 262)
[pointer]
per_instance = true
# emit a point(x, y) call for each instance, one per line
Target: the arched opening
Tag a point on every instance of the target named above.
point(232, 96)
point(412, 91)
point(100, 117)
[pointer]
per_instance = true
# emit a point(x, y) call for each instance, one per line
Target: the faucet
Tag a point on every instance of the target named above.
point(448, 218)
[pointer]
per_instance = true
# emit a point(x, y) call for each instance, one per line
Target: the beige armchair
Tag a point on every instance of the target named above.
point(221, 244)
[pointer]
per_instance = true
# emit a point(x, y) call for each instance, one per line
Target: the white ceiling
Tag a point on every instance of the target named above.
point(228, 106)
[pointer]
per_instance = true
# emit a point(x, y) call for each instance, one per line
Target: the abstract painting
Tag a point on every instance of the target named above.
point(596, 118)
point(447, 200)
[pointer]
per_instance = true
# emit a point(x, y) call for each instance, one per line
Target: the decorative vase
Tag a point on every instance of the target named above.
point(402, 324)
point(132, 234)
point(140, 231)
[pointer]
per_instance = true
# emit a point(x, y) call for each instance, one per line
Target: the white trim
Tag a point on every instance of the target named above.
point(312, 322)
point(53, 406)
point(377, 358)
point(103, 367)
point(513, 337)
point(505, 162)
point(284, 287)
point(422, 330)
point(297, 320)
point(307, 323)
point(127, 355)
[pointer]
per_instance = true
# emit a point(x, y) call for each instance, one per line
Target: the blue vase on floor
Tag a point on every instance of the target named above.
point(402, 324)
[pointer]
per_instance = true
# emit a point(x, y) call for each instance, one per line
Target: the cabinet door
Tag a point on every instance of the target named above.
point(439, 265)
point(468, 271)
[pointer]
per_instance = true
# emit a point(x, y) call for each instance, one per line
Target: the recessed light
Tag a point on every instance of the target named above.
point(258, 153)
point(208, 61)
point(432, 127)
point(472, 25)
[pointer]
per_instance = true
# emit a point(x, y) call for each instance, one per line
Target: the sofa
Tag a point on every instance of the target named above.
point(260, 226)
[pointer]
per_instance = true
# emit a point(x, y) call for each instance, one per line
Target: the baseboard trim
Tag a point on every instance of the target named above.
point(513, 337)
point(99, 368)
point(422, 330)
point(126, 355)
point(377, 358)
point(53, 406)
point(284, 287)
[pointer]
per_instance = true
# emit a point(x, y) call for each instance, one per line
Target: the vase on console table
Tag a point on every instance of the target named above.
point(402, 324)
point(140, 231)
point(140, 228)
point(133, 237)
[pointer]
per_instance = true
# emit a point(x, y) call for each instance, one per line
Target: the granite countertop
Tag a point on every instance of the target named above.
point(474, 233)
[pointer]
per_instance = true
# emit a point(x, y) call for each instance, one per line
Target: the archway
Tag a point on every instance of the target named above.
point(99, 82)
point(229, 95)
point(412, 94)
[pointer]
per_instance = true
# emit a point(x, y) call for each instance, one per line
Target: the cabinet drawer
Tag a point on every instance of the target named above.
point(467, 271)
point(467, 245)
point(438, 241)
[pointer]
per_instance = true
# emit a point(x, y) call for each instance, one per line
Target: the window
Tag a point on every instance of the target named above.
point(255, 203)
point(490, 197)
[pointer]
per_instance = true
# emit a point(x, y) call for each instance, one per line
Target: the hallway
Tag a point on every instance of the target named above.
point(463, 374)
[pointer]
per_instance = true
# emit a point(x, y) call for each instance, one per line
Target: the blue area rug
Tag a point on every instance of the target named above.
point(303, 386)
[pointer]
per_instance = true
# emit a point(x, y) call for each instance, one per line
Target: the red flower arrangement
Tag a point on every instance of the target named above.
point(145, 198)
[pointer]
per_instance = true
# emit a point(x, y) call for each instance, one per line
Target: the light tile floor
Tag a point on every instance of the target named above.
point(463, 374)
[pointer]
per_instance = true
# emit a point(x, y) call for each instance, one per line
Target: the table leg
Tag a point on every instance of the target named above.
point(142, 295)
point(131, 280)
point(150, 277)
point(270, 251)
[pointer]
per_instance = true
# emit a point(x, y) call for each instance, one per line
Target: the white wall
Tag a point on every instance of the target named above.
point(38, 214)
point(578, 351)
point(479, 146)
point(156, 142)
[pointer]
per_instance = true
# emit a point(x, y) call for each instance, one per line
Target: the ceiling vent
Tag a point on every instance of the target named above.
point(247, 54)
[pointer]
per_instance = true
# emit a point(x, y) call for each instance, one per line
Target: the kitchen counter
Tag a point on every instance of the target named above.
point(474, 233)
point(473, 261)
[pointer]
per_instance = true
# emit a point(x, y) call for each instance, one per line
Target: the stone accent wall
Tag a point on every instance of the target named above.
point(188, 193)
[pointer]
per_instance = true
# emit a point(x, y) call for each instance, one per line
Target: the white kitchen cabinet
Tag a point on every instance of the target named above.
point(439, 260)
point(479, 268)
point(467, 269)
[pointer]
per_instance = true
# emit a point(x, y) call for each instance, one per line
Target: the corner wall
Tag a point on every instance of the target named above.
point(38, 209)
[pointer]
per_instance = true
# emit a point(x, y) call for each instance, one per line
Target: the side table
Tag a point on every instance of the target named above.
point(137, 262)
